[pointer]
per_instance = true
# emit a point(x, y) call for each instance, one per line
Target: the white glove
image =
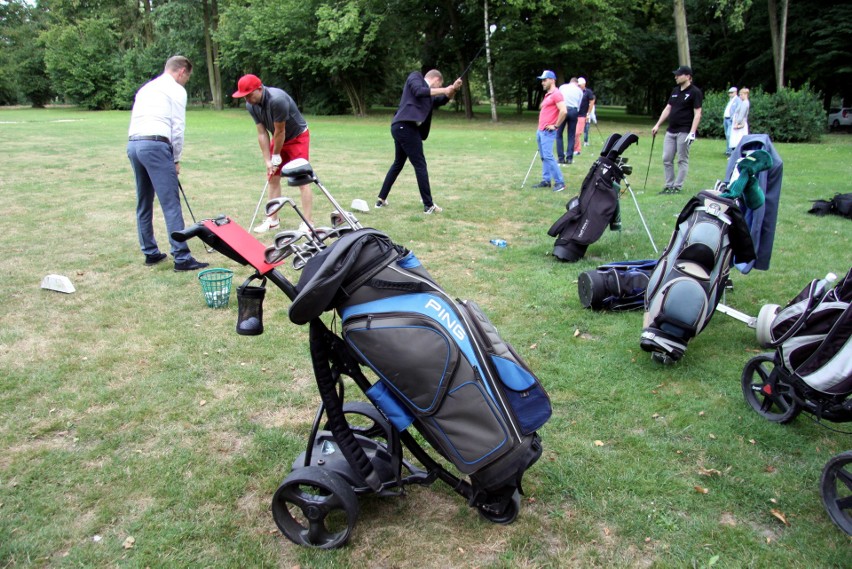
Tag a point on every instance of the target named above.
point(276, 160)
point(690, 138)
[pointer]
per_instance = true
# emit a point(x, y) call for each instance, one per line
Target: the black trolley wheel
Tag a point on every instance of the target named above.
point(315, 507)
point(591, 288)
point(835, 489)
point(507, 516)
point(767, 399)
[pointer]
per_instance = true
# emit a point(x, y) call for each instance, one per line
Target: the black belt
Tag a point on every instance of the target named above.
point(155, 138)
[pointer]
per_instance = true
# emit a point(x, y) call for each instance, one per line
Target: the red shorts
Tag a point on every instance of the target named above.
point(294, 148)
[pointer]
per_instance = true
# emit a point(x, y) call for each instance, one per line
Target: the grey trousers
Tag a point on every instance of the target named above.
point(675, 143)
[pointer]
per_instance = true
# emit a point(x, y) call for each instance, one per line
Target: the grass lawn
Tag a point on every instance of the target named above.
point(139, 430)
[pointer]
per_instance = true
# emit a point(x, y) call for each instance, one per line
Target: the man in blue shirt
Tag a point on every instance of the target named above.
point(410, 127)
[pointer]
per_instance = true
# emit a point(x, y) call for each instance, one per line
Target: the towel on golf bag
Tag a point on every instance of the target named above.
point(747, 184)
point(813, 337)
point(689, 278)
point(440, 362)
point(840, 204)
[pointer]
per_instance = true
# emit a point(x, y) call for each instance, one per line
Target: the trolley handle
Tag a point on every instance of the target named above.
point(196, 230)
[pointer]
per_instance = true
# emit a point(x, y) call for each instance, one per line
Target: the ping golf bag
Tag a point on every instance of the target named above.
point(811, 368)
point(596, 207)
point(616, 286)
point(688, 281)
point(441, 364)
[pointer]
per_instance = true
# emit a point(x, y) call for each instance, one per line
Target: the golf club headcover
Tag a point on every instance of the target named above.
point(746, 185)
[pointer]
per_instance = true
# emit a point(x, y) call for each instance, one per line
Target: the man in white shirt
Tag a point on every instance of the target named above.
point(730, 109)
point(155, 144)
point(573, 95)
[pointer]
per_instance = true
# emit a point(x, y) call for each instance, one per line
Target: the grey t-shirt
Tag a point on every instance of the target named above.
point(277, 106)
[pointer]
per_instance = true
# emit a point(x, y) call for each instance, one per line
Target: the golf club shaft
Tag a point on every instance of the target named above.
point(648, 171)
point(530, 169)
point(257, 209)
point(475, 57)
point(186, 201)
point(642, 217)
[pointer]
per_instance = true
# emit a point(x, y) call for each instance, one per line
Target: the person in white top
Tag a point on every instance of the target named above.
point(155, 145)
point(573, 95)
point(739, 120)
point(730, 109)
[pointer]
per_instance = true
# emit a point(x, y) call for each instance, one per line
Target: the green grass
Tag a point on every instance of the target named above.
point(130, 409)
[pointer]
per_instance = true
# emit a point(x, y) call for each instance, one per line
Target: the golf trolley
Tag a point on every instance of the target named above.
point(441, 366)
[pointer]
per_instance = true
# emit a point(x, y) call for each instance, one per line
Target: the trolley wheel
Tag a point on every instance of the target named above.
point(591, 288)
point(777, 406)
point(509, 513)
point(315, 507)
point(835, 488)
point(763, 328)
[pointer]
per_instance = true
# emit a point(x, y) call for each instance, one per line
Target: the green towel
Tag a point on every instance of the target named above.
point(746, 184)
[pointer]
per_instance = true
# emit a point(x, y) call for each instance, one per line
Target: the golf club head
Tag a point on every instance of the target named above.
point(338, 220)
point(274, 205)
point(287, 238)
point(304, 253)
point(273, 255)
point(298, 172)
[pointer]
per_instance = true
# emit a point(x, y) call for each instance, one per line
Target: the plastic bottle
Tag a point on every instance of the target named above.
point(499, 242)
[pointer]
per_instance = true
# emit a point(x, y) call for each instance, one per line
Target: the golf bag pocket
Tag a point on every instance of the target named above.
point(422, 354)
point(524, 393)
point(389, 405)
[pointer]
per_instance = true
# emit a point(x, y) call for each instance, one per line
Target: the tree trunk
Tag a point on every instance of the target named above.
point(778, 33)
point(211, 50)
point(681, 33)
point(489, 64)
point(357, 100)
point(147, 23)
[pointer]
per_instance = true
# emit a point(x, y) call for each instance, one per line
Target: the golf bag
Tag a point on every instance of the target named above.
point(688, 281)
point(589, 213)
point(616, 286)
point(441, 364)
point(812, 364)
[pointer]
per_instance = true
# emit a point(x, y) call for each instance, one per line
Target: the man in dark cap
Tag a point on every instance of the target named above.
point(683, 112)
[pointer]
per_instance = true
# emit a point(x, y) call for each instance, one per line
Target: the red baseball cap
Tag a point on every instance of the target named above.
point(246, 85)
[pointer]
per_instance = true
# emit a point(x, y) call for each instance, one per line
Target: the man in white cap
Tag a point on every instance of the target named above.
point(730, 109)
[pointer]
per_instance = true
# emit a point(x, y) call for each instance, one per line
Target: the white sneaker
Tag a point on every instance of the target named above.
point(303, 227)
point(267, 224)
point(434, 208)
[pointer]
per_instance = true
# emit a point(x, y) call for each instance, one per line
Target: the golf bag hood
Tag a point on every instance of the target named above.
point(761, 221)
point(688, 281)
point(596, 207)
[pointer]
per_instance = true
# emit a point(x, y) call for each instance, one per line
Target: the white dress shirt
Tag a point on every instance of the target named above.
point(572, 94)
point(160, 110)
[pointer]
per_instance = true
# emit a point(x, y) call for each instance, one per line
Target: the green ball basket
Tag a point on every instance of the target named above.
point(216, 286)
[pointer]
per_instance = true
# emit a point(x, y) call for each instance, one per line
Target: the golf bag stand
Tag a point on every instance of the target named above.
point(690, 276)
point(596, 207)
point(811, 369)
point(442, 369)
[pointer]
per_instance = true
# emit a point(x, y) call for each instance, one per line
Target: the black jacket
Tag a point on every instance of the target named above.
point(416, 103)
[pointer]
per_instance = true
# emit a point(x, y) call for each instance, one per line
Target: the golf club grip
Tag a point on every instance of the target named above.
point(195, 230)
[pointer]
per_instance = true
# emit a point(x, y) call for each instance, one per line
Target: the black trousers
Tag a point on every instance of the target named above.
point(408, 145)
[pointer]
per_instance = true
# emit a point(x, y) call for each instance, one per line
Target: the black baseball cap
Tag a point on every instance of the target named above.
point(683, 70)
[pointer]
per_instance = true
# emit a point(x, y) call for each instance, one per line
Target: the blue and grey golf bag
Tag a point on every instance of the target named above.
point(690, 276)
point(597, 206)
point(440, 363)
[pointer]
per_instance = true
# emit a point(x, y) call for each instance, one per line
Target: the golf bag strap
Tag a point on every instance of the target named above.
point(404, 287)
point(322, 343)
point(813, 301)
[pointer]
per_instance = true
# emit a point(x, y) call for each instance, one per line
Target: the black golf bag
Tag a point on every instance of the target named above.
point(690, 277)
point(811, 368)
point(615, 286)
point(597, 206)
point(441, 364)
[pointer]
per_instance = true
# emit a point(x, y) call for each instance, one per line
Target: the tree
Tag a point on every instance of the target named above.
point(778, 33)
point(211, 50)
point(682, 33)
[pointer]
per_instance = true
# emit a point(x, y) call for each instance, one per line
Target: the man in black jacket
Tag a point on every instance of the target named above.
point(410, 127)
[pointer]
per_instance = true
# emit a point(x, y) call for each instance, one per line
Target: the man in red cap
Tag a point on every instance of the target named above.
point(276, 116)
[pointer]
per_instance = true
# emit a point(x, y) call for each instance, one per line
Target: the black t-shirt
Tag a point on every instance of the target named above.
point(683, 105)
point(585, 103)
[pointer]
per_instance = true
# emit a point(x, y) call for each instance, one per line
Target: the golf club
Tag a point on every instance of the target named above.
point(299, 172)
point(274, 205)
point(530, 169)
point(192, 215)
point(650, 155)
point(491, 29)
point(642, 217)
point(286, 238)
point(262, 193)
